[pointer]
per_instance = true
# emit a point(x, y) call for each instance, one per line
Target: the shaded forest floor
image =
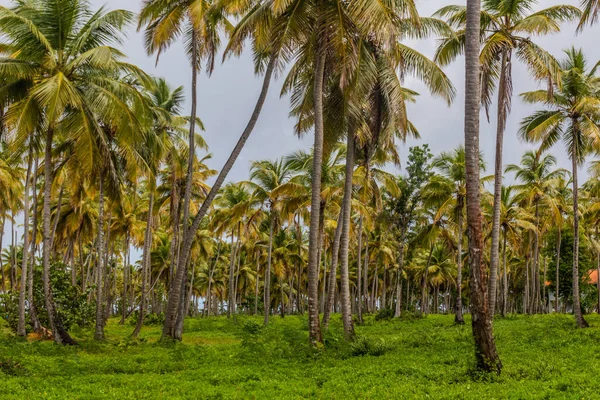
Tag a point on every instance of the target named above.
point(544, 357)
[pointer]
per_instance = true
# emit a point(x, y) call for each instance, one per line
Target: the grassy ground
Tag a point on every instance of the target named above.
point(543, 357)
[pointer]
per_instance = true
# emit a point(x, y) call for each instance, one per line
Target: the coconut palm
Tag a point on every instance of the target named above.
point(572, 114)
point(74, 89)
point(485, 347)
point(507, 28)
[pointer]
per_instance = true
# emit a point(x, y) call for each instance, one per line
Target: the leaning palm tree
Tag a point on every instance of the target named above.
point(507, 27)
point(63, 54)
point(572, 114)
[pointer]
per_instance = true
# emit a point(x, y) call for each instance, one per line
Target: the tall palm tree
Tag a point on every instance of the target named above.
point(268, 177)
point(572, 114)
point(64, 56)
point(485, 347)
point(507, 27)
point(537, 176)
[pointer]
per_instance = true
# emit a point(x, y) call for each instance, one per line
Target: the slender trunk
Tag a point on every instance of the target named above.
point(58, 211)
point(598, 273)
point(99, 331)
point(61, 336)
point(230, 298)
point(581, 322)
point(175, 294)
point(485, 347)
point(535, 284)
point(1, 264)
point(33, 315)
point(503, 109)
point(23, 287)
point(424, 288)
point(398, 310)
point(359, 271)
point(313, 244)
point(256, 286)
point(458, 316)
point(190, 291)
point(557, 286)
point(505, 276)
point(267, 287)
point(125, 276)
point(333, 272)
point(145, 266)
point(544, 304)
point(345, 242)
point(366, 275)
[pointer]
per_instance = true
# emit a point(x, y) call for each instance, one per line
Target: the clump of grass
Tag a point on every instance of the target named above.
point(363, 346)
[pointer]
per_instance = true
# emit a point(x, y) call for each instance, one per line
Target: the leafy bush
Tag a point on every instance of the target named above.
point(363, 346)
point(152, 319)
point(385, 314)
point(71, 303)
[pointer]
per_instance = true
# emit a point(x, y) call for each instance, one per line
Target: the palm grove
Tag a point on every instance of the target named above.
point(98, 158)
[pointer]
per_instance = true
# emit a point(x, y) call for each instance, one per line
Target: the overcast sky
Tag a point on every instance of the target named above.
point(227, 98)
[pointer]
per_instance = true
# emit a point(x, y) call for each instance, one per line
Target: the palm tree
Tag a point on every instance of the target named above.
point(507, 27)
point(572, 115)
point(269, 176)
point(485, 347)
point(76, 93)
point(537, 176)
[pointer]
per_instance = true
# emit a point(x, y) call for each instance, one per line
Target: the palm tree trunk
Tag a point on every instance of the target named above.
point(125, 276)
point(333, 271)
point(99, 331)
point(359, 271)
point(366, 274)
point(581, 322)
point(485, 348)
point(61, 336)
point(535, 276)
point(33, 315)
point(2, 277)
point(256, 286)
point(23, 287)
point(175, 294)
point(313, 243)
point(504, 277)
point(458, 316)
point(267, 286)
point(145, 266)
point(557, 286)
point(345, 242)
point(503, 107)
point(424, 288)
point(230, 296)
point(398, 311)
point(58, 210)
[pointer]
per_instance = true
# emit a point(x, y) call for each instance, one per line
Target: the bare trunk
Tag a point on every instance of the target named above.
point(267, 286)
point(23, 287)
point(230, 296)
point(175, 294)
point(503, 108)
point(581, 322)
point(504, 277)
point(458, 316)
point(61, 336)
point(424, 288)
point(485, 347)
point(145, 267)
point(315, 205)
point(333, 270)
point(557, 286)
point(359, 271)
point(99, 331)
point(398, 311)
point(33, 315)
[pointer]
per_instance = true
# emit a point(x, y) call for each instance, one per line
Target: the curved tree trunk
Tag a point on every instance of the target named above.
point(175, 294)
point(61, 336)
point(485, 347)
point(581, 322)
point(21, 331)
point(458, 316)
point(504, 93)
point(315, 205)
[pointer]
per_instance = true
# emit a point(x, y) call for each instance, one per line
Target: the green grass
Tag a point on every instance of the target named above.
point(543, 357)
